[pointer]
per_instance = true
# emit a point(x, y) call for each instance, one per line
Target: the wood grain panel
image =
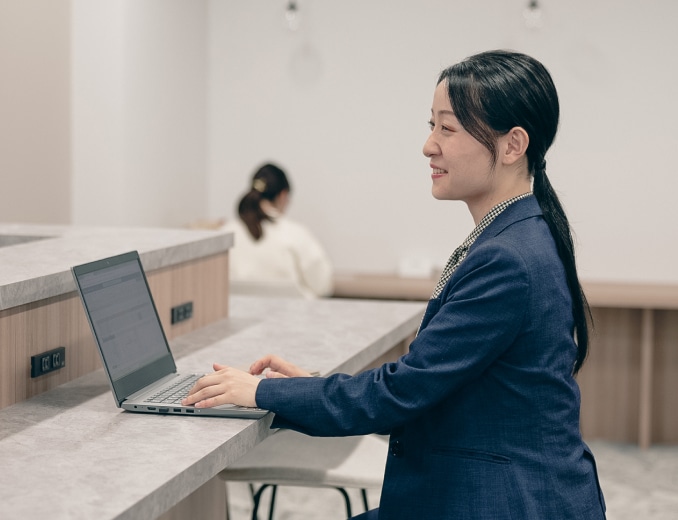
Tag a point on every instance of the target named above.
point(60, 322)
point(203, 282)
point(665, 378)
point(57, 322)
point(609, 380)
point(10, 324)
point(35, 328)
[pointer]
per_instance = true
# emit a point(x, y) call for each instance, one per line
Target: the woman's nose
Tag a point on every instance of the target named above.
point(430, 146)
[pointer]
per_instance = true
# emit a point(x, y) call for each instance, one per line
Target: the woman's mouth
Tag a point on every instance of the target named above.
point(438, 172)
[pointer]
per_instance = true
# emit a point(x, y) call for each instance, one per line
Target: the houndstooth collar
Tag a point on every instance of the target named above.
point(460, 253)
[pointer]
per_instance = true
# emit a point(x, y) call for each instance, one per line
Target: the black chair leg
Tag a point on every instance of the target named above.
point(257, 500)
point(363, 492)
point(256, 497)
point(270, 510)
point(347, 499)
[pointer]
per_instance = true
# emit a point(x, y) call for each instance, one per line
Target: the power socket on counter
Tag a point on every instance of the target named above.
point(49, 361)
point(182, 312)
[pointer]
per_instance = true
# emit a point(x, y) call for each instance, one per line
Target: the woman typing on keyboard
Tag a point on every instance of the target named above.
point(483, 411)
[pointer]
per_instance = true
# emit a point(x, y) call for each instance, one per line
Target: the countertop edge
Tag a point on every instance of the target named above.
point(60, 281)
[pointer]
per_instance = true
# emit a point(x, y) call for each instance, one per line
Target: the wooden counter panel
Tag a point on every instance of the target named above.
point(629, 381)
point(599, 294)
point(631, 295)
point(60, 321)
point(665, 378)
point(38, 327)
point(609, 379)
point(10, 325)
point(203, 282)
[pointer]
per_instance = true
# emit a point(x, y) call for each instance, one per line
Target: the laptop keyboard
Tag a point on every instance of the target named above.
point(174, 393)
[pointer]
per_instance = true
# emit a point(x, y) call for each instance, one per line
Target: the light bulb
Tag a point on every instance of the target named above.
point(533, 15)
point(292, 16)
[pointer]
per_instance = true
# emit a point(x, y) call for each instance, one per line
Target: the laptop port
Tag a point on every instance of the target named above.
point(163, 410)
point(190, 410)
point(151, 407)
point(176, 410)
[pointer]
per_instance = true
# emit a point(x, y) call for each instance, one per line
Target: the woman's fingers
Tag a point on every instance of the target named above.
point(206, 387)
point(269, 361)
point(225, 386)
point(278, 365)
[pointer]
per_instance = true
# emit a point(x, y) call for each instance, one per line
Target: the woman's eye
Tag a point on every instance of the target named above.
point(444, 128)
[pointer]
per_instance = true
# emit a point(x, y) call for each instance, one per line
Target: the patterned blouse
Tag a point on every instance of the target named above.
point(460, 253)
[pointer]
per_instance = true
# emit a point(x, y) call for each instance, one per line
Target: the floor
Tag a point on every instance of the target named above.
point(638, 485)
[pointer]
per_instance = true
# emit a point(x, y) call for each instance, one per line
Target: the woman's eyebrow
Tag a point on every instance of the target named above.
point(450, 112)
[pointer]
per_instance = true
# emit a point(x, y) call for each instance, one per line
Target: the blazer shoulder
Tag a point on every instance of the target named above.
point(523, 209)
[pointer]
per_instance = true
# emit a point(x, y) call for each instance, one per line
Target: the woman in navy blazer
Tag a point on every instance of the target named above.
point(483, 411)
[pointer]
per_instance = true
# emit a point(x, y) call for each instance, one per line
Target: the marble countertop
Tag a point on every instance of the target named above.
point(35, 260)
point(71, 454)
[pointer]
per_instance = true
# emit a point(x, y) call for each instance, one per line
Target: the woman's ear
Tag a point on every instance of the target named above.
point(515, 143)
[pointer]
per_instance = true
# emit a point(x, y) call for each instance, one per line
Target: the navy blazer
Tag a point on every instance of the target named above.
point(483, 411)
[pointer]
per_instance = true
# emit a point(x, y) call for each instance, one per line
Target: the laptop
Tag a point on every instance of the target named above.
point(131, 341)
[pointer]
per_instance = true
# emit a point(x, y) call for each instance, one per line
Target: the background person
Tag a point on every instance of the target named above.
point(269, 247)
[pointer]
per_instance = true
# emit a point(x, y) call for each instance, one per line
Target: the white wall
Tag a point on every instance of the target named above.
point(139, 112)
point(174, 102)
point(343, 102)
point(35, 161)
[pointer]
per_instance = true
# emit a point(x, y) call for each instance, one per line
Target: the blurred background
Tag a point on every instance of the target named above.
point(156, 112)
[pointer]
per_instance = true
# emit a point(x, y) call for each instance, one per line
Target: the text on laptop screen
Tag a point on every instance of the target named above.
point(123, 318)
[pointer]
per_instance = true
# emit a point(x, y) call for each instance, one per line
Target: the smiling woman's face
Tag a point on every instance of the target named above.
point(461, 166)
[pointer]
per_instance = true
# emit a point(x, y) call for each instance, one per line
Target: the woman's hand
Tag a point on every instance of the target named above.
point(277, 367)
point(227, 385)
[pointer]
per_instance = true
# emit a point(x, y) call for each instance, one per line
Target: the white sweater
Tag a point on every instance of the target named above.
point(287, 252)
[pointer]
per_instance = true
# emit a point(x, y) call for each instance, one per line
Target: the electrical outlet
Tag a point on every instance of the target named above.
point(182, 312)
point(48, 361)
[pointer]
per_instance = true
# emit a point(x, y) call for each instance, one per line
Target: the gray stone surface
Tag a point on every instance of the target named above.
point(71, 454)
point(32, 270)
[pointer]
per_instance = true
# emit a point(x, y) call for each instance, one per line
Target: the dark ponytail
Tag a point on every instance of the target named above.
point(495, 91)
point(555, 217)
point(267, 183)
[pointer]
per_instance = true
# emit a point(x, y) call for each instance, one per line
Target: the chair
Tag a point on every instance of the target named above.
point(288, 458)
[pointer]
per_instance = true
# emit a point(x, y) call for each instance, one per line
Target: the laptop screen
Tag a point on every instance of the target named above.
point(124, 321)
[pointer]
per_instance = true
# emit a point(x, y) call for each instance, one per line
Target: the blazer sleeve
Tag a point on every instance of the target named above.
point(477, 318)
